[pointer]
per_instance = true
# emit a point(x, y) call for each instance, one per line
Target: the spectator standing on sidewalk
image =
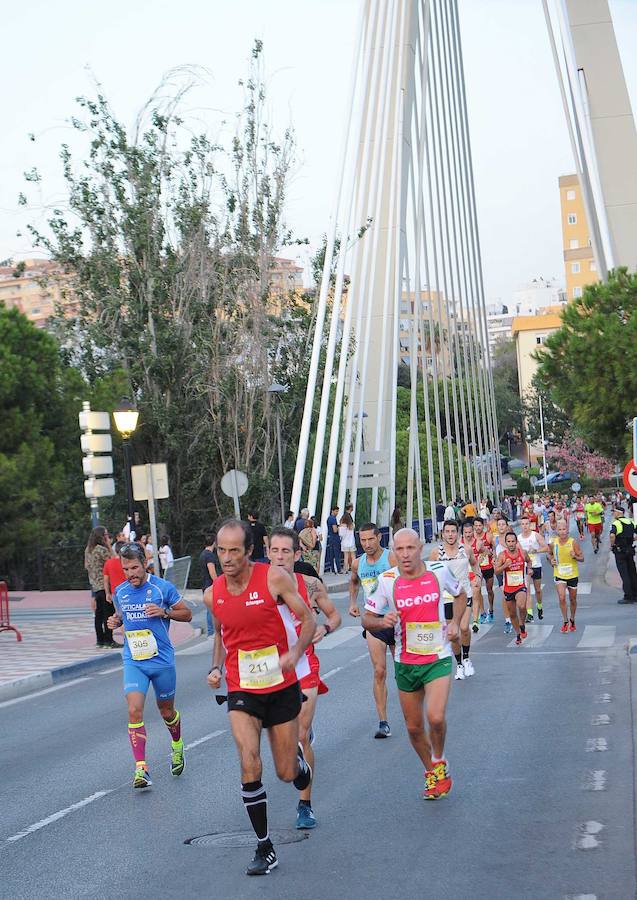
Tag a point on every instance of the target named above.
point(113, 571)
point(166, 558)
point(210, 569)
point(96, 555)
point(622, 544)
point(348, 541)
point(310, 547)
point(333, 552)
point(260, 540)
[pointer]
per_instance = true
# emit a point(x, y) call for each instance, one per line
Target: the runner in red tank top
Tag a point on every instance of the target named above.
point(252, 604)
point(285, 550)
point(511, 564)
point(482, 545)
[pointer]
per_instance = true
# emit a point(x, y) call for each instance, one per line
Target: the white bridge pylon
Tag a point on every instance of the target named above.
point(405, 231)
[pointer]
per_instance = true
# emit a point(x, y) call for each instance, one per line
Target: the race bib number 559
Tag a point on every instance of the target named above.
point(424, 638)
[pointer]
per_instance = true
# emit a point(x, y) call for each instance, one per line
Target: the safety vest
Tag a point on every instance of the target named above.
point(624, 533)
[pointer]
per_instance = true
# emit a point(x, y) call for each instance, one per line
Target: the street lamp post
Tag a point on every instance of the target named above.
point(276, 390)
point(126, 416)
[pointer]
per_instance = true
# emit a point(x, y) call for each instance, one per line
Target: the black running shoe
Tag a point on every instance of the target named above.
point(540, 612)
point(264, 859)
point(304, 778)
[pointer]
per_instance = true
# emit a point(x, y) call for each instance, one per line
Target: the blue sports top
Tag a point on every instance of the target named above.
point(131, 603)
point(368, 573)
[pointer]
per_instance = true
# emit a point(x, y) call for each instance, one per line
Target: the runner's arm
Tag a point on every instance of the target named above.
point(178, 612)
point(499, 567)
point(577, 553)
point(107, 588)
point(282, 585)
point(218, 657)
point(354, 585)
point(317, 594)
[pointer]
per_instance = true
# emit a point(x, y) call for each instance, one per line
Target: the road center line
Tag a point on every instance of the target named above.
point(331, 672)
point(57, 815)
point(206, 737)
point(49, 690)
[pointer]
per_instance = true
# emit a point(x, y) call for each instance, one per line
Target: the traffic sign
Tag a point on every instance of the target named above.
point(635, 442)
point(630, 478)
point(234, 484)
point(99, 487)
point(159, 488)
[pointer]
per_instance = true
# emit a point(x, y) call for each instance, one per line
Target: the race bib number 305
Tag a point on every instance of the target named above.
point(142, 644)
point(424, 638)
point(259, 668)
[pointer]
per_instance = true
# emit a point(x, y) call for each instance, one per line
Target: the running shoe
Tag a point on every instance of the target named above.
point(483, 618)
point(264, 859)
point(524, 634)
point(177, 760)
point(467, 666)
point(564, 628)
point(312, 735)
point(441, 772)
point(475, 627)
point(529, 618)
point(304, 777)
point(572, 627)
point(384, 731)
point(459, 676)
point(518, 641)
point(490, 618)
point(142, 778)
point(431, 786)
point(540, 611)
point(305, 817)
point(508, 627)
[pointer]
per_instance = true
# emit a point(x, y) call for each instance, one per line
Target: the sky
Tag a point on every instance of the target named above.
point(53, 52)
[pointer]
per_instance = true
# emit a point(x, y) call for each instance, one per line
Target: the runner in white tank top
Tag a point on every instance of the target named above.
point(461, 562)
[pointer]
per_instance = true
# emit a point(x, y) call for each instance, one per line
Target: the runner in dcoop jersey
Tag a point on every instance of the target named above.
point(145, 605)
point(409, 599)
point(255, 607)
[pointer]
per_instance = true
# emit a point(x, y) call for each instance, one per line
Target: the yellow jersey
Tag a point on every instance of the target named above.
point(566, 566)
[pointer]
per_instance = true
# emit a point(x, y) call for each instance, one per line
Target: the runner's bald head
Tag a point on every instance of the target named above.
point(403, 533)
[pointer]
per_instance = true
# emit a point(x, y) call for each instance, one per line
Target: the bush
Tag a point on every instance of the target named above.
point(524, 485)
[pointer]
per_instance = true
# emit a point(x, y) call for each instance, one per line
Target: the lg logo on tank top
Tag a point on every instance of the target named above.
point(254, 600)
point(402, 602)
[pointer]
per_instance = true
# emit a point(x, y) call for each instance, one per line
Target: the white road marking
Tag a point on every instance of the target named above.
point(484, 629)
point(109, 671)
point(49, 690)
point(537, 635)
point(595, 780)
point(57, 815)
point(602, 719)
point(586, 837)
point(603, 698)
point(598, 636)
point(584, 587)
point(331, 672)
point(339, 637)
point(196, 649)
point(596, 745)
point(580, 897)
point(362, 656)
point(206, 737)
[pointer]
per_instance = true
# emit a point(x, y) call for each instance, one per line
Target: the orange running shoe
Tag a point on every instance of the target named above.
point(564, 628)
point(572, 626)
point(437, 781)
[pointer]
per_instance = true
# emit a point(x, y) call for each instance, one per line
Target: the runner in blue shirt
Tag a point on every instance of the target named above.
point(145, 605)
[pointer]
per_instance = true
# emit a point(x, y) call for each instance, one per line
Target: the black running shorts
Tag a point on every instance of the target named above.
point(274, 708)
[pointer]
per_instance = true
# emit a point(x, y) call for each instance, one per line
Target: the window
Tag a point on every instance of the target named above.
point(577, 292)
point(593, 266)
point(539, 338)
point(573, 244)
point(572, 219)
point(575, 268)
point(570, 194)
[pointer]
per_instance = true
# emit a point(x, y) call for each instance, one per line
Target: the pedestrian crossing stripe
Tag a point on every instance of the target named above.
point(592, 637)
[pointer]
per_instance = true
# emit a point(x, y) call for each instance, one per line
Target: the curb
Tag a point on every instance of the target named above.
point(40, 680)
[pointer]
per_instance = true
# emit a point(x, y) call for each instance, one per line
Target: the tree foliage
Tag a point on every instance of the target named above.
point(590, 364)
point(572, 455)
point(508, 405)
point(168, 239)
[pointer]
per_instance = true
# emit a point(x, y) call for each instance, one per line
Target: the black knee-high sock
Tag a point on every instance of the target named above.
point(465, 651)
point(256, 803)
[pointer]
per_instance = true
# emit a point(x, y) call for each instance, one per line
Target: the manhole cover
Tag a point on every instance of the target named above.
point(244, 838)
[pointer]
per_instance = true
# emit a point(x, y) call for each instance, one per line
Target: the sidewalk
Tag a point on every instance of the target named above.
point(58, 641)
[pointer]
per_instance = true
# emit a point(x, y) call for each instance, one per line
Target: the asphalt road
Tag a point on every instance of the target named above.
point(540, 745)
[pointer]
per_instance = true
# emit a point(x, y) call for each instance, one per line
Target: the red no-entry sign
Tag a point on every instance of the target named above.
point(630, 478)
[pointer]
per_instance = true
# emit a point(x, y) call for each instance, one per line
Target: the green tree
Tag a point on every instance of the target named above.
point(556, 421)
point(590, 364)
point(168, 239)
point(508, 405)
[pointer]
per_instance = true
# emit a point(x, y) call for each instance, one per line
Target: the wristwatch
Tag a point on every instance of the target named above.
point(326, 627)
